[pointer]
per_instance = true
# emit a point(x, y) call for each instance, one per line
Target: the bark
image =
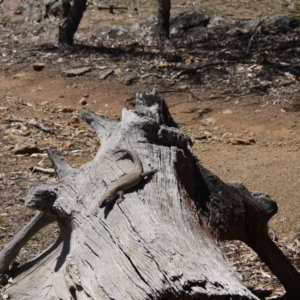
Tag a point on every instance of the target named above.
point(164, 8)
point(161, 242)
point(71, 23)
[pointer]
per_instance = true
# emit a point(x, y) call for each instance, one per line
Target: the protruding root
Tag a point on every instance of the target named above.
point(10, 252)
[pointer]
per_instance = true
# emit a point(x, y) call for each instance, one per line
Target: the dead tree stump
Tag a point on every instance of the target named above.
point(161, 242)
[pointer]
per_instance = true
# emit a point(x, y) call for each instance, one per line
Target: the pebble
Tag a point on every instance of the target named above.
point(227, 112)
point(76, 71)
point(130, 78)
point(201, 137)
point(183, 87)
point(69, 144)
point(164, 64)
point(208, 121)
point(146, 75)
point(66, 109)
point(38, 66)
point(75, 120)
point(242, 141)
point(118, 71)
point(83, 101)
point(105, 73)
point(27, 148)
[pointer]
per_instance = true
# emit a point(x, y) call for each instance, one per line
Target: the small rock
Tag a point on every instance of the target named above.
point(130, 78)
point(102, 67)
point(147, 80)
point(135, 27)
point(164, 64)
point(19, 75)
point(201, 137)
point(118, 31)
point(69, 144)
point(227, 135)
point(76, 72)
point(38, 66)
point(183, 87)
point(75, 120)
point(289, 75)
point(143, 76)
point(105, 73)
point(227, 112)
point(66, 109)
point(173, 31)
point(184, 76)
point(207, 133)
point(208, 121)
point(18, 12)
point(83, 101)
point(242, 141)
point(118, 71)
point(189, 19)
point(27, 148)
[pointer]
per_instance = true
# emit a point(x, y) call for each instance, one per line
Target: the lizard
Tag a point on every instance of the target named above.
point(125, 182)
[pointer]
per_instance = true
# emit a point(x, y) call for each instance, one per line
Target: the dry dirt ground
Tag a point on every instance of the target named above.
point(252, 139)
point(270, 164)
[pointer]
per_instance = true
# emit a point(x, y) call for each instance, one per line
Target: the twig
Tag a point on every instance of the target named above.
point(19, 132)
point(111, 8)
point(42, 170)
point(33, 123)
point(251, 39)
point(195, 69)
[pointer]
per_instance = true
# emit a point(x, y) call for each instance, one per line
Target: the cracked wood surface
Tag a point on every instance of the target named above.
point(153, 245)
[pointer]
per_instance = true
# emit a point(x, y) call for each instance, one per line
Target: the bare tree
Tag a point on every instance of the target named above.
point(164, 8)
point(71, 23)
point(161, 242)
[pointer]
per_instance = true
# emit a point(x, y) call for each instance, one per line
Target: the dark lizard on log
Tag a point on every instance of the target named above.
point(125, 182)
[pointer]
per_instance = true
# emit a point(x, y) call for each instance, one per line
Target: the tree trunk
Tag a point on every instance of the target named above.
point(164, 8)
point(161, 242)
point(71, 23)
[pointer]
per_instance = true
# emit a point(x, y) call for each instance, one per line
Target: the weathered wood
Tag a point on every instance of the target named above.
point(38, 222)
point(61, 166)
point(161, 242)
point(11, 251)
point(33, 123)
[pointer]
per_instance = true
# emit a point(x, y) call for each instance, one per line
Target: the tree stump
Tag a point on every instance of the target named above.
point(161, 241)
